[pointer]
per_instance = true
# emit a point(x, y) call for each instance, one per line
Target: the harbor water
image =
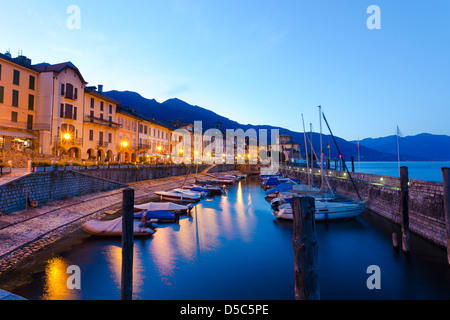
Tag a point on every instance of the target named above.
point(233, 248)
point(422, 170)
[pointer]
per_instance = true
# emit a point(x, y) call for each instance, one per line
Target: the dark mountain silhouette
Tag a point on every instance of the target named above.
point(423, 146)
point(174, 109)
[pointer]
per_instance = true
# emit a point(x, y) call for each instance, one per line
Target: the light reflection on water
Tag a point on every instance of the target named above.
point(231, 247)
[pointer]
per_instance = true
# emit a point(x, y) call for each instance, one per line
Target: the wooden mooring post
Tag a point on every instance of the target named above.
point(446, 195)
point(305, 249)
point(126, 291)
point(404, 210)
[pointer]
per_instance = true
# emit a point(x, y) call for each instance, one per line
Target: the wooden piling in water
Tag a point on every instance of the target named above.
point(126, 292)
point(446, 195)
point(404, 210)
point(305, 249)
point(353, 164)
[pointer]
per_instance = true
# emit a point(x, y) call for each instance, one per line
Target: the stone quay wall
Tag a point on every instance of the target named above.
point(426, 202)
point(59, 183)
point(43, 187)
point(143, 173)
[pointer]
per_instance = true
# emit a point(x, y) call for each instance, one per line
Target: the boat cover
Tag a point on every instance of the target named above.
point(114, 228)
point(158, 206)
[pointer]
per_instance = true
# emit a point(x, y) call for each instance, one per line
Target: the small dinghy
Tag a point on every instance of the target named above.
point(113, 228)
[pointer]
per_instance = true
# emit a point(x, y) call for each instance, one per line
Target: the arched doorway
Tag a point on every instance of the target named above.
point(91, 154)
point(74, 153)
point(100, 155)
point(109, 156)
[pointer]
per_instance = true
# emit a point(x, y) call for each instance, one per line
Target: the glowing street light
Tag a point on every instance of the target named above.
point(124, 144)
point(67, 136)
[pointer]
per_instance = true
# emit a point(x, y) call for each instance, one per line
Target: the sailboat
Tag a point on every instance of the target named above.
point(325, 209)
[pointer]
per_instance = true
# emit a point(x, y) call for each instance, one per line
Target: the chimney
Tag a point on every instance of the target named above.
point(100, 88)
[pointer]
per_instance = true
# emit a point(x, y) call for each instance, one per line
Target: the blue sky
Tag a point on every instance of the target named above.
point(258, 62)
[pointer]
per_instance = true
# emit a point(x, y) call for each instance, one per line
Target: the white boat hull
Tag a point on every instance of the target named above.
point(329, 211)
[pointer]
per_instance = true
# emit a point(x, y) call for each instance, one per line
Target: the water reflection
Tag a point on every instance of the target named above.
point(55, 281)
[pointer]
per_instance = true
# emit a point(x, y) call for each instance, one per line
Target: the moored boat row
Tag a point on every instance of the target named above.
point(173, 203)
point(327, 205)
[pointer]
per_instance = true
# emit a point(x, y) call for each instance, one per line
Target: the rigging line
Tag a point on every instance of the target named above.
point(306, 152)
point(328, 180)
point(343, 161)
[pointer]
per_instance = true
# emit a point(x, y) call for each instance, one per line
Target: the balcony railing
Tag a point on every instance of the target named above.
point(142, 146)
point(69, 142)
point(102, 144)
point(103, 122)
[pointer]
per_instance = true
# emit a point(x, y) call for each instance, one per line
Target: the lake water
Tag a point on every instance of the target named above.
point(233, 248)
point(422, 170)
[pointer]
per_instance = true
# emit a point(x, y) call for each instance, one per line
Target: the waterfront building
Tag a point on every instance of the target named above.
point(127, 134)
point(18, 92)
point(59, 108)
point(100, 126)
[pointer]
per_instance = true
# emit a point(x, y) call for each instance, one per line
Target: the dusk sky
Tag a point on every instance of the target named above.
point(257, 61)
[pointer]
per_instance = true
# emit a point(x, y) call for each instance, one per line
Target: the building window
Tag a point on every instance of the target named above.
point(62, 89)
point(109, 137)
point(16, 77)
point(30, 102)
point(32, 82)
point(92, 114)
point(69, 91)
point(68, 111)
point(110, 108)
point(14, 116)
point(2, 93)
point(30, 122)
point(15, 98)
point(91, 135)
point(0, 72)
point(101, 116)
point(92, 103)
point(101, 105)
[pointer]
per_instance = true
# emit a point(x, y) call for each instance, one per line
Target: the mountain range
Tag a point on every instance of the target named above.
point(412, 148)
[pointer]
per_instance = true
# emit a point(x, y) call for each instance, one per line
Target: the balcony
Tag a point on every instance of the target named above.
point(62, 141)
point(102, 144)
point(102, 122)
point(144, 146)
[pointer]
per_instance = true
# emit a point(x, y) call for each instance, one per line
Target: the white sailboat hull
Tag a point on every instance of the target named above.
point(325, 211)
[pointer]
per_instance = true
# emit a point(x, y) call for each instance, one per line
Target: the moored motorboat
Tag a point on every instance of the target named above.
point(210, 189)
point(177, 196)
point(158, 215)
point(202, 194)
point(163, 206)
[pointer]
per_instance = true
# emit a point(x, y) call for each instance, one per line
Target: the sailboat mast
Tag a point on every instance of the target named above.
point(321, 149)
point(398, 152)
point(306, 151)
